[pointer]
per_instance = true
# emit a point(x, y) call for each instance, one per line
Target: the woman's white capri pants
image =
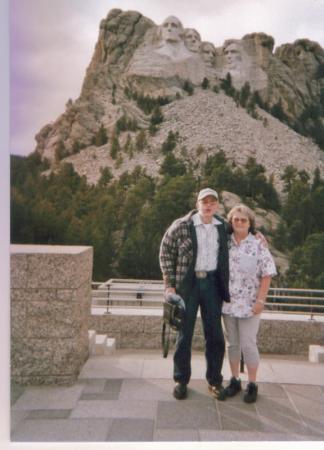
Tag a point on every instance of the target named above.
point(241, 335)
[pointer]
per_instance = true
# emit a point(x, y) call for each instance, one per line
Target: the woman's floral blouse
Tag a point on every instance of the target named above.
point(249, 261)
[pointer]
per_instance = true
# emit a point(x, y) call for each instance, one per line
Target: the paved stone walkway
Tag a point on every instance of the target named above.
point(128, 397)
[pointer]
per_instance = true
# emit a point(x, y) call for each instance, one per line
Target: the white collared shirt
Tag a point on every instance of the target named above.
point(208, 243)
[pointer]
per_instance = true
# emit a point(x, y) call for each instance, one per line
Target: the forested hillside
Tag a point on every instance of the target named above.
point(124, 219)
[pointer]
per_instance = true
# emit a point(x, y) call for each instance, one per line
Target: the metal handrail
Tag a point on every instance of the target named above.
point(297, 290)
point(144, 293)
point(295, 297)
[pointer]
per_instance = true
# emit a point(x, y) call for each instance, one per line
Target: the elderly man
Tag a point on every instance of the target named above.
point(194, 263)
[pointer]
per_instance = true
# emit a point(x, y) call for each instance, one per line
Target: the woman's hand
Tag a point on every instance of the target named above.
point(258, 307)
point(169, 290)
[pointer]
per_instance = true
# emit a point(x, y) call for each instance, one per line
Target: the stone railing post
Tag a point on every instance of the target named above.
point(50, 308)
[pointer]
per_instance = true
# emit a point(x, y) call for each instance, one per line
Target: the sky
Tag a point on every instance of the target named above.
point(52, 42)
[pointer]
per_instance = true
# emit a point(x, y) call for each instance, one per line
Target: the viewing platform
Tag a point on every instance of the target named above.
point(127, 396)
point(81, 372)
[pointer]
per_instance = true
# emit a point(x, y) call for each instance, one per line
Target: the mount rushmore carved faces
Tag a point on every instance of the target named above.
point(192, 40)
point(171, 29)
point(208, 53)
point(232, 55)
point(171, 40)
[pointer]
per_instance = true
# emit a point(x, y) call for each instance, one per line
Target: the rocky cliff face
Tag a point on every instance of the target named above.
point(212, 122)
point(135, 55)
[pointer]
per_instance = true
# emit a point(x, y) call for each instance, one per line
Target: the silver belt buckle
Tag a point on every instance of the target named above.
point(201, 274)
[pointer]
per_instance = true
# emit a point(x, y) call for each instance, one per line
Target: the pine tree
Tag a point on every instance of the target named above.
point(277, 111)
point(245, 94)
point(141, 141)
point(226, 85)
point(115, 147)
point(188, 87)
point(105, 177)
point(288, 177)
point(281, 236)
point(256, 99)
point(157, 116)
point(317, 180)
point(101, 137)
point(170, 143)
point(205, 83)
point(172, 166)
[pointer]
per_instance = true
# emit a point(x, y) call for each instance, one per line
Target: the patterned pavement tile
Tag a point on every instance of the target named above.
point(187, 414)
point(131, 429)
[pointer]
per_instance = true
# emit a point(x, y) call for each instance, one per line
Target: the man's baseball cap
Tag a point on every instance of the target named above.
point(205, 192)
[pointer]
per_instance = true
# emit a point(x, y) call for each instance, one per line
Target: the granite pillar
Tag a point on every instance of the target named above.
point(50, 308)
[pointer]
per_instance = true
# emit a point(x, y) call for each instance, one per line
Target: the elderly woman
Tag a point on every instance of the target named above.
point(251, 268)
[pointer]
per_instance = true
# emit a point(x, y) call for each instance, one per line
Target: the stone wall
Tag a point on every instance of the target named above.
point(50, 307)
point(284, 334)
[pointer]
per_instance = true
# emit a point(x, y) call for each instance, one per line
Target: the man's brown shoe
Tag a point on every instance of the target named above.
point(217, 391)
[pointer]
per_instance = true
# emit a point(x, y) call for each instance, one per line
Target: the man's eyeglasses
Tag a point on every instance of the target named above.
point(240, 219)
point(208, 202)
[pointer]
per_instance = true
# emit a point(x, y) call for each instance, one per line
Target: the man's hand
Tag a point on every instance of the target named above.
point(261, 238)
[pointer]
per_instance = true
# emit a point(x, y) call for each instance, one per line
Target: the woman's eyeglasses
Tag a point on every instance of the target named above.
point(240, 219)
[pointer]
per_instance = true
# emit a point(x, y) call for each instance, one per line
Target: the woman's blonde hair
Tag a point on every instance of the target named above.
point(247, 212)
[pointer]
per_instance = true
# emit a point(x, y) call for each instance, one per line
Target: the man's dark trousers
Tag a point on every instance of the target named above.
point(203, 293)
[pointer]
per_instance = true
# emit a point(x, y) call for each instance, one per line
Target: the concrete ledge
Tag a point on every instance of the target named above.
point(278, 334)
point(316, 353)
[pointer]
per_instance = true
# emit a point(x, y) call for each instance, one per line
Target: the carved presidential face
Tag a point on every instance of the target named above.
point(171, 29)
point(208, 52)
point(306, 59)
point(192, 40)
point(232, 55)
